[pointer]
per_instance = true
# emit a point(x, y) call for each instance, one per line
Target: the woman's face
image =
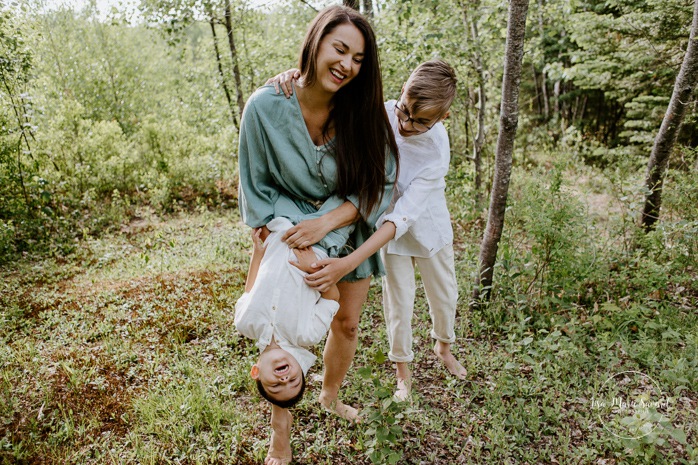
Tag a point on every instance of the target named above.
point(339, 57)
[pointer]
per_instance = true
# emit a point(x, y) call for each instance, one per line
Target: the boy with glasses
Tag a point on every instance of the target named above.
point(416, 229)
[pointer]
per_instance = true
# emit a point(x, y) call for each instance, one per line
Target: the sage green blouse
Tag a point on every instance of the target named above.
point(283, 173)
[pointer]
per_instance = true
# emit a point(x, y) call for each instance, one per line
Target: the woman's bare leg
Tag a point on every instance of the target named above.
point(341, 346)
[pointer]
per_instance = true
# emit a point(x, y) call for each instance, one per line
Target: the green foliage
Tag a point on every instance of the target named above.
point(550, 251)
point(382, 421)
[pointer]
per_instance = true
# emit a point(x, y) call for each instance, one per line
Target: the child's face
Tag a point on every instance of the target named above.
point(279, 372)
point(411, 124)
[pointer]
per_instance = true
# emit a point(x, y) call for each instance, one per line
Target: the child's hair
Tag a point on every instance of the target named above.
point(282, 403)
point(432, 85)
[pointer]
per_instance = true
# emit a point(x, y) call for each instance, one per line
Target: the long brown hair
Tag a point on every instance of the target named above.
point(362, 128)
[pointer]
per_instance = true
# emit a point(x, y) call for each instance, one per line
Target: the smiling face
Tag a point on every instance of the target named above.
point(339, 57)
point(413, 122)
point(279, 372)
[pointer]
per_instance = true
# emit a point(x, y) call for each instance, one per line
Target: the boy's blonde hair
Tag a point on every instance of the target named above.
point(432, 85)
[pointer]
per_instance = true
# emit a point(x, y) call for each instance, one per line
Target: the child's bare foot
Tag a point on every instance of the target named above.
point(339, 408)
point(280, 445)
point(404, 381)
point(443, 351)
point(404, 389)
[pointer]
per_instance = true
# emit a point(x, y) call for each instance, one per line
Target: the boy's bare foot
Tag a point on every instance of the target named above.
point(443, 351)
point(404, 381)
point(339, 408)
point(404, 389)
point(280, 445)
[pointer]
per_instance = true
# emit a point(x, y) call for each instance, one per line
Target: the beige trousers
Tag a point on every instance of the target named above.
point(439, 280)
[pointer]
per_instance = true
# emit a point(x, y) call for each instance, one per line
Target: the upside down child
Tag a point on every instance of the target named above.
point(285, 316)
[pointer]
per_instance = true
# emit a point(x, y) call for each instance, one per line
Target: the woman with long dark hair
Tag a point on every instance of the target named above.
point(327, 160)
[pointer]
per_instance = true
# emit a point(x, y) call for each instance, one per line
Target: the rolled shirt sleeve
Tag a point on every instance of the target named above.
point(413, 202)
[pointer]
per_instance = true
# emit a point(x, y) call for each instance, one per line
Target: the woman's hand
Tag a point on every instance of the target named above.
point(330, 271)
point(306, 233)
point(285, 81)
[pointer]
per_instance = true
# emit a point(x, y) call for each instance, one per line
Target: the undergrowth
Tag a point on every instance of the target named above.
point(123, 350)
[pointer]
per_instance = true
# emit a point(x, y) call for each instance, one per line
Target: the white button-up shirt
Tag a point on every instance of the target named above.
point(418, 208)
point(281, 304)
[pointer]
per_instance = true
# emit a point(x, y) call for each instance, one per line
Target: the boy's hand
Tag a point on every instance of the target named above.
point(306, 257)
point(285, 80)
point(327, 273)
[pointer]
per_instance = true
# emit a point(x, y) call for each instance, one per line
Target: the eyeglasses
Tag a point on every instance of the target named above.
point(405, 117)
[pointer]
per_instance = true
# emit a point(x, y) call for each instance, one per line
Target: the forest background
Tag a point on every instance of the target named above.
point(122, 252)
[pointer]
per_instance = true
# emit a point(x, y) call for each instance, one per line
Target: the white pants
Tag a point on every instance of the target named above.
point(439, 280)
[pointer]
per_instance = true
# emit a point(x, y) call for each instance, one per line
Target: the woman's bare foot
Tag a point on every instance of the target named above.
point(280, 445)
point(339, 408)
point(443, 351)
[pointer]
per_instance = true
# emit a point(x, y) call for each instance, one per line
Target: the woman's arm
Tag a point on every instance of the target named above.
point(311, 231)
point(257, 191)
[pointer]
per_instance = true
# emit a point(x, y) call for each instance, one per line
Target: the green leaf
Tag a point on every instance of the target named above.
point(679, 435)
point(379, 356)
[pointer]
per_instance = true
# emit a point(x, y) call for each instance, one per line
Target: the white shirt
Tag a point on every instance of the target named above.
point(281, 304)
point(418, 209)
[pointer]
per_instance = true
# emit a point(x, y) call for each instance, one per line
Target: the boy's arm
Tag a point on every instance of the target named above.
point(331, 270)
point(414, 201)
point(257, 254)
point(306, 257)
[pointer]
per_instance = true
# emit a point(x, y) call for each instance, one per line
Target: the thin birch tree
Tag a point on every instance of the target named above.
point(666, 137)
point(508, 122)
point(470, 25)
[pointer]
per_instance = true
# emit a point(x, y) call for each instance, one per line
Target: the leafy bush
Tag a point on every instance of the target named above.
point(549, 253)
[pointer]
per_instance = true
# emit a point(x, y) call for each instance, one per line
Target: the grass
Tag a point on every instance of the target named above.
point(125, 353)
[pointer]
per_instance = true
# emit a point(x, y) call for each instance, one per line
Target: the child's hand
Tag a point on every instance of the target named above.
point(257, 242)
point(285, 79)
point(306, 257)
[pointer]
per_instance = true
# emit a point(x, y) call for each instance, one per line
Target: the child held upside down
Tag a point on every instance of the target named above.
point(285, 316)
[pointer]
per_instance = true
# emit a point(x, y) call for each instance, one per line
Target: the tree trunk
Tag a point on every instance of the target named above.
point(479, 140)
point(666, 138)
point(508, 121)
point(352, 4)
point(224, 82)
point(543, 83)
point(367, 7)
point(234, 57)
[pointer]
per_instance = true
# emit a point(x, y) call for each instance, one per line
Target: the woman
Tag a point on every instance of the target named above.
point(326, 159)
